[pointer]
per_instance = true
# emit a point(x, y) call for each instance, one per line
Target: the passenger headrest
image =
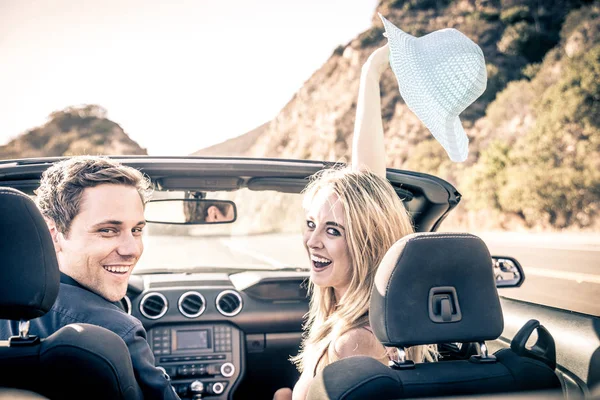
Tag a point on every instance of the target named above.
point(435, 288)
point(29, 275)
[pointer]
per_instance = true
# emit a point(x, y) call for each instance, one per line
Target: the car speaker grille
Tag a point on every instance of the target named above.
point(229, 303)
point(191, 304)
point(154, 305)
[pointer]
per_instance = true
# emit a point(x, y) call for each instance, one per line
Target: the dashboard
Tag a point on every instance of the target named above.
point(222, 336)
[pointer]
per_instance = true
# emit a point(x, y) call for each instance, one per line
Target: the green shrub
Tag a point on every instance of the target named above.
point(531, 70)
point(371, 36)
point(522, 39)
point(102, 126)
point(482, 181)
point(550, 176)
point(516, 14)
point(496, 82)
point(339, 50)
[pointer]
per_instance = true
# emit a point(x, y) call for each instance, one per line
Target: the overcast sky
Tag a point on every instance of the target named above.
point(176, 75)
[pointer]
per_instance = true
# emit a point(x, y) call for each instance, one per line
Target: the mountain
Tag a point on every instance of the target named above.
point(73, 131)
point(541, 99)
point(236, 147)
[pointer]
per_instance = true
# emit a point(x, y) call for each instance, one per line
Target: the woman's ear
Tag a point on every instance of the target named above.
point(54, 233)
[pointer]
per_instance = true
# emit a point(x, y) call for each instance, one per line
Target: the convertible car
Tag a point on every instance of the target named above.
point(223, 299)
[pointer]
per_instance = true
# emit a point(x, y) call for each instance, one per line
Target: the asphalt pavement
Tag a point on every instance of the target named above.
point(561, 271)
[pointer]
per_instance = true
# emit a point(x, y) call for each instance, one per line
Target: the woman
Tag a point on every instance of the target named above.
point(353, 217)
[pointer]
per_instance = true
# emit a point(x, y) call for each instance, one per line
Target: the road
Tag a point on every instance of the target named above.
point(558, 273)
point(561, 270)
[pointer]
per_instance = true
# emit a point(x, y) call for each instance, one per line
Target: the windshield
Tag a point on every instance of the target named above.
point(265, 235)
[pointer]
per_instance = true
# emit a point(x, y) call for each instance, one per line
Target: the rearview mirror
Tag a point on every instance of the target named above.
point(507, 272)
point(190, 211)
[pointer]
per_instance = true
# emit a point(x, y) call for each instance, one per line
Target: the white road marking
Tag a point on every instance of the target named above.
point(240, 248)
point(571, 276)
point(565, 247)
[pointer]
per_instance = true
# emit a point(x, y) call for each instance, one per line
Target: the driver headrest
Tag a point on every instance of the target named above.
point(29, 275)
point(435, 288)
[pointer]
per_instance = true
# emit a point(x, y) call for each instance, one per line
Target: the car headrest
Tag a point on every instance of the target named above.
point(29, 275)
point(435, 288)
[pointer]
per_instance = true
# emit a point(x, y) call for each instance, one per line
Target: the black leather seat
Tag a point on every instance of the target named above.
point(79, 360)
point(439, 288)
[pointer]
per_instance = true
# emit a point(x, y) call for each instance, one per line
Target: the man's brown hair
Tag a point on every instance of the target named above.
point(62, 185)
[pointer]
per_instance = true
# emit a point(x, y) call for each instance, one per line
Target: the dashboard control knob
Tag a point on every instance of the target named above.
point(218, 388)
point(197, 387)
point(227, 369)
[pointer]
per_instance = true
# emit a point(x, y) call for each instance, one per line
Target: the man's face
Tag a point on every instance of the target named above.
point(214, 214)
point(104, 242)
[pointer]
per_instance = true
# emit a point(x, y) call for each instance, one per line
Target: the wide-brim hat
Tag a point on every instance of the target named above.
point(439, 75)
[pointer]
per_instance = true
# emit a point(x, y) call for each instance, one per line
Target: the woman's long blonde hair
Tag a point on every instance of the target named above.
point(375, 219)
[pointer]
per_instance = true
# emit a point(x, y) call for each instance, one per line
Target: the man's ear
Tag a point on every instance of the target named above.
point(54, 233)
point(212, 214)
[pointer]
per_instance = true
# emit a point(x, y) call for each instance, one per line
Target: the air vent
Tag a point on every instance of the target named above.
point(153, 305)
point(126, 302)
point(191, 304)
point(229, 303)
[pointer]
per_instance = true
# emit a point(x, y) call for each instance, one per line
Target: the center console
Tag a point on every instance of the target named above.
point(202, 360)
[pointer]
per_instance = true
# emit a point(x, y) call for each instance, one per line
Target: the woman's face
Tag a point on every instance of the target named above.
point(326, 241)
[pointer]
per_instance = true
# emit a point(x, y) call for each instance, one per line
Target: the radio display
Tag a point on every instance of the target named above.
point(193, 339)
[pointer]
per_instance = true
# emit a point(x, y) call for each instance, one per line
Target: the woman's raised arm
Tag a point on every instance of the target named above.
point(368, 151)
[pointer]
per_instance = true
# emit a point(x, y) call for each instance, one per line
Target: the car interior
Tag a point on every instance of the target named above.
point(227, 331)
point(462, 307)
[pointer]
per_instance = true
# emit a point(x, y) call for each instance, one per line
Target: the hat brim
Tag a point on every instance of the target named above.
point(405, 58)
point(451, 136)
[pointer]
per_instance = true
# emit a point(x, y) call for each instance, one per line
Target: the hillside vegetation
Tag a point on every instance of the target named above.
point(535, 133)
point(534, 160)
point(73, 131)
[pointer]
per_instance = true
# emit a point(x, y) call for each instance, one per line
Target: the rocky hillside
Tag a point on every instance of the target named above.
point(535, 134)
point(238, 146)
point(73, 131)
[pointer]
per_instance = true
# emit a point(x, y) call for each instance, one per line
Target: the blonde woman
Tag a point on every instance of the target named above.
point(353, 216)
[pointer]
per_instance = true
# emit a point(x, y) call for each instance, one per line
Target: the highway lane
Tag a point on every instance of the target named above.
point(567, 278)
point(559, 273)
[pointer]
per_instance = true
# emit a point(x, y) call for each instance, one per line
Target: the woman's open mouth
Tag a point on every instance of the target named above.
point(320, 263)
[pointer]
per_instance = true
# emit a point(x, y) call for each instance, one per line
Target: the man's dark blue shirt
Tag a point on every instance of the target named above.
point(76, 304)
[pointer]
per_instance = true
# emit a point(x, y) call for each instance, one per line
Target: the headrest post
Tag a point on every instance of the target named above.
point(401, 355)
point(482, 356)
point(483, 351)
point(401, 362)
point(23, 329)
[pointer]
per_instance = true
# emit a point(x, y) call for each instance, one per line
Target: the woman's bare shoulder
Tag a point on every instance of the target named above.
point(359, 342)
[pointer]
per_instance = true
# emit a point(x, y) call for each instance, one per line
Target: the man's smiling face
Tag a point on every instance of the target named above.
point(104, 241)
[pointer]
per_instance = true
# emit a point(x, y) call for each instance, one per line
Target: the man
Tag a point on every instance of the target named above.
point(94, 208)
point(207, 211)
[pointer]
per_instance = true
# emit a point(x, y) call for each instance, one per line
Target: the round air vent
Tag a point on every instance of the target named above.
point(191, 304)
point(126, 303)
point(229, 303)
point(153, 305)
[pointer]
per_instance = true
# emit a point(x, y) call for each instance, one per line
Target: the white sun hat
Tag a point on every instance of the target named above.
point(439, 75)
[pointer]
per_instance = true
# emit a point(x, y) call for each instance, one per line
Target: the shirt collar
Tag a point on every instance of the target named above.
point(67, 280)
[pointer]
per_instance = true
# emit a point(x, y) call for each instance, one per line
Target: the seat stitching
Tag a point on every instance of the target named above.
point(371, 378)
point(462, 380)
point(102, 356)
point(11, 193)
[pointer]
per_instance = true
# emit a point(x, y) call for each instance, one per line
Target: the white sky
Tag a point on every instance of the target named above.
point(178, 76)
